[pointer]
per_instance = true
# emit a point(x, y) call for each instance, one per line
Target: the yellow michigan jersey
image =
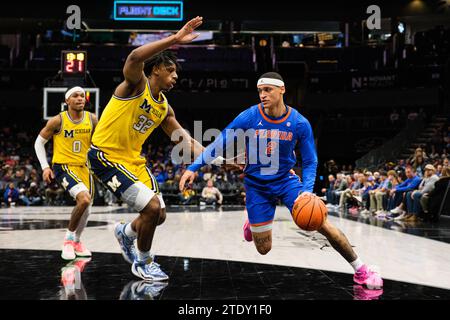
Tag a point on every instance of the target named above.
point(71, 143)
point(126, 123)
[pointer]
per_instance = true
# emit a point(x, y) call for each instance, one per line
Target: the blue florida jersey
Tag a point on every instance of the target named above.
point(269, 146)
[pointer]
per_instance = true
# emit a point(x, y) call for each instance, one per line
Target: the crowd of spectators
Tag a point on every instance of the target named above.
point(404, 189)
point(21, 178)
point(408, 189)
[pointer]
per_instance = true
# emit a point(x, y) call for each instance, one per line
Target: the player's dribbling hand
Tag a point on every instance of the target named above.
point(48, 175)
point(304, 194)
point(185, 35)
point(188, 176)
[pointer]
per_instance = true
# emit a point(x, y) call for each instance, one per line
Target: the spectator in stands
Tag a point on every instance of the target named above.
point(53, 193)
point(439, 170)
point(400, 166)
point(170, 175)
point(32, 196)
point(438, 200)
point(8, 175)
point(353, 190)
point(383, 191)
point(328, 191)
point(159, 174)
point(369, 186)
point(341, 184)
point(220, 177)
point(418, 163)
point(399, 192)
point(376, 204)
point(418, 153)
point(11, 195)
point(413, 197)
point(211, 195)
point(331, 168)
point(377, 177)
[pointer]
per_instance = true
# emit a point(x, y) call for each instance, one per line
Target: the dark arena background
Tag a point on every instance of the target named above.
point(373, 80)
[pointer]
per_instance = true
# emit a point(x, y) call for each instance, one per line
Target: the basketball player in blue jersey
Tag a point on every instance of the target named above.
point(272, 131)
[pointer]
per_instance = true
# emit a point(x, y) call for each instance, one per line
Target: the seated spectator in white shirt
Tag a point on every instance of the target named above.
point(211, 195)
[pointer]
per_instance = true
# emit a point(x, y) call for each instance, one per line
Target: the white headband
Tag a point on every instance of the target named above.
point(274, 82)
point(72, 90)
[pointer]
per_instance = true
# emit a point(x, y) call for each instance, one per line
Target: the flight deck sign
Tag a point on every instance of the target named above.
point(148, 10)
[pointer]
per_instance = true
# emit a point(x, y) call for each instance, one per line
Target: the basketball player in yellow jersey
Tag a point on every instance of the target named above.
point(71, 131)
point(137, 107)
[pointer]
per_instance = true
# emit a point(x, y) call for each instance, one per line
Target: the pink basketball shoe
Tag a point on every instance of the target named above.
point(80, 250)
point(247, 231)
point(368, 277)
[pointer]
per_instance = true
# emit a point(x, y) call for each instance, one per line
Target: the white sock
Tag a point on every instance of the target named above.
point(82, 224)
point(129, 232)
point(142, 255)
point(70, 236)
point(357, 264)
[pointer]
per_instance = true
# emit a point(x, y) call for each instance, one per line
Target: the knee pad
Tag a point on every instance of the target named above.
point(137, 196)
point(76, 189)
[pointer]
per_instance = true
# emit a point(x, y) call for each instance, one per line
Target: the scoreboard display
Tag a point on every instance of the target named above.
point(73, 63)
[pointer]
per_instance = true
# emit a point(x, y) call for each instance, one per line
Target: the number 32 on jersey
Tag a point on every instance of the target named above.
point(143, 124)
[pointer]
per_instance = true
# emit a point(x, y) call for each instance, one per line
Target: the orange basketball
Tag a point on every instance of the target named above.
point(309, 212)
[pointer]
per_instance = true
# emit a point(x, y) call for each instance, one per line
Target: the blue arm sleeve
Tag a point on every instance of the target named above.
point(309, 156)
point(216, 148)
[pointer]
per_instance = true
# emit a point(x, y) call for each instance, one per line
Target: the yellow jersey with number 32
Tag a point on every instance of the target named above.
point(72, 142)
point(126, 123)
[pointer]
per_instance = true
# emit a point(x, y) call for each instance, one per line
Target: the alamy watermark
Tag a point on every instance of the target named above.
point(251, 146)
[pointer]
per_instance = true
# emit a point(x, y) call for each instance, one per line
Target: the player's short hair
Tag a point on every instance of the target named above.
point(272, 75)
point(166, 58)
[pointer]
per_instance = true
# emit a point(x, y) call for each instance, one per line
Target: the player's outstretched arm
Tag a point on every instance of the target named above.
point(212, 153)
point(133, 69)
point(53, 126)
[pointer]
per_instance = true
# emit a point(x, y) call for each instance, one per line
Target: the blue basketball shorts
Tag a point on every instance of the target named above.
point(261, 200)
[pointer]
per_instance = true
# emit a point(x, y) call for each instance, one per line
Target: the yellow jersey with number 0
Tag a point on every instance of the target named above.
point(126, 123)
point(71, 143)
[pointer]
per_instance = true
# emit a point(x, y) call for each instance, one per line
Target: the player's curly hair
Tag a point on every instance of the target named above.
point(165, 58)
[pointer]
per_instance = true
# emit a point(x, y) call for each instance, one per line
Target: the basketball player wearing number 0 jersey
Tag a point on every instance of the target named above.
point(71, 131)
